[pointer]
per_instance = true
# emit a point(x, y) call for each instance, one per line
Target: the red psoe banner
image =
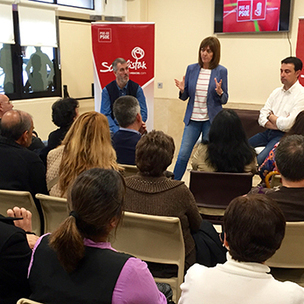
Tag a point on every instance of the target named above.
point(300, 47)
point(135, 43)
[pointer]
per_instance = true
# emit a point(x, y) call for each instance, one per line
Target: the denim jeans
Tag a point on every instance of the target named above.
point(191, 134)
point(268, 139)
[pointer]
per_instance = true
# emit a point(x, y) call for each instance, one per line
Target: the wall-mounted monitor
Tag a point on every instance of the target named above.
point(251, 16)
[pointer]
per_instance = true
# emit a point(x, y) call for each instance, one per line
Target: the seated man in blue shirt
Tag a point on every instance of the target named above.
point(127, 112)
point(121, 86)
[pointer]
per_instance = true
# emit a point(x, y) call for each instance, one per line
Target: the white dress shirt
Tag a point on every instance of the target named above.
point(286, 104)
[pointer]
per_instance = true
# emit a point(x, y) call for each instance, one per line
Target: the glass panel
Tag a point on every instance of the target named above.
point(6, 69)
point(78, 3)
point(38, 69)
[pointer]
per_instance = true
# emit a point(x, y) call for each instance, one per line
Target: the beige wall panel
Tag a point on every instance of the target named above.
point(76, 57)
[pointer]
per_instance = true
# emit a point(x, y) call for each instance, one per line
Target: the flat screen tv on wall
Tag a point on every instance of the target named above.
point(251, 16)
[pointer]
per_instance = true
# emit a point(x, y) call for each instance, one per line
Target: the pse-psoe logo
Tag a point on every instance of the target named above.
point(251, 10)
point(105, 35)
point(136, 65)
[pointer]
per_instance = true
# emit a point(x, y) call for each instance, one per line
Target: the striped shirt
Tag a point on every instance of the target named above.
point(200, 112)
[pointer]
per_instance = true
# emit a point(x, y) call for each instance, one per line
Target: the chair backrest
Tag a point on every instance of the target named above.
point(291, 252)
point(152, 238)
point(12, 198)
point(129, 170)
point(54, 210)
point(27, 301)
point(217, 189)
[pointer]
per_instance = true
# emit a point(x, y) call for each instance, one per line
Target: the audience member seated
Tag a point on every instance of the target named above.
point(5, 106)
point(228, 149)
point(64, 112)
point(269, 163)
point(20, 168)
point(150, 192)
point(290, 163)
point(76, 263)
point(15, 254)
point(86, 145)
point(254, 228)
point(126, 110)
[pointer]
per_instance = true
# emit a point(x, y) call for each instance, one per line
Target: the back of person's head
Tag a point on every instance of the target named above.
point(255, 227)
point(125, 110)
point(87, 145)
point(14, 123)
point(226, 128)
point(116, 61)
point(228, 147)
point(95, 200)
point(289, 157)
point(298, 65)
point(154, 153)
point(64, 111)
point(298, 125)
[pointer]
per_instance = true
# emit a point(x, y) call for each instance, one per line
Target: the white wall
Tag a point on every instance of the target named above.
point(253, 60)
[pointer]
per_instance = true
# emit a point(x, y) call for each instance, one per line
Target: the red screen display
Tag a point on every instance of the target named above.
point(251, 16)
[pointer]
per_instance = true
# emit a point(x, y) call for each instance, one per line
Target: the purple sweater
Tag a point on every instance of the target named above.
point(135, 283)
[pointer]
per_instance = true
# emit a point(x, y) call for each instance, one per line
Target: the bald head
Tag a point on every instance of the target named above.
point(5, 104)
point(3, 98)
point(17, 125)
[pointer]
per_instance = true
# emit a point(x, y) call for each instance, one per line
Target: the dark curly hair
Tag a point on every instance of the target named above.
point(64, 111)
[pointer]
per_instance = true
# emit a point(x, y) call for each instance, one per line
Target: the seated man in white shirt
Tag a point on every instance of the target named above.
point(281, 108)
point(254, 228)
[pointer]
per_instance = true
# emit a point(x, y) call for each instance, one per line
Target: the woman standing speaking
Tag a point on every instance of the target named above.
point(205, 84)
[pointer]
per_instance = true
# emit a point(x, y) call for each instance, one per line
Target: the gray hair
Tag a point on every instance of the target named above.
point(116, 61)
point(125, 110)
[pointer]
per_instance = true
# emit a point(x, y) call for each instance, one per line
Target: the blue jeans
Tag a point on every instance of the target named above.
point(191, 134)
point(268, 139)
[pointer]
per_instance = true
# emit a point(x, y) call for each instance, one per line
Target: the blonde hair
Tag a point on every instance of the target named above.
point(86, 145)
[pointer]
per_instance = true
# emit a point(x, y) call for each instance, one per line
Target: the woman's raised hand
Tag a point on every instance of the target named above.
point(180, 84)
point(218, 87)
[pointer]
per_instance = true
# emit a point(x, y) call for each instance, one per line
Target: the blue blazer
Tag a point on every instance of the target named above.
point(214, 101)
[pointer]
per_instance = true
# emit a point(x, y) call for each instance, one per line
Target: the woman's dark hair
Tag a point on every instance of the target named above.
point(96, 199)
point(64, 111)
point(154, 153)
point(228, 149)
point(298, 125)
point(215, 47)
point(255, 227)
